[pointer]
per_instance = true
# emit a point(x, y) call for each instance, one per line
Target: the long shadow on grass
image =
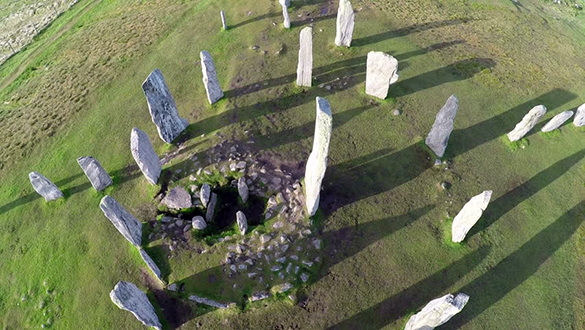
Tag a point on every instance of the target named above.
point(516, 268)
point(415, 296)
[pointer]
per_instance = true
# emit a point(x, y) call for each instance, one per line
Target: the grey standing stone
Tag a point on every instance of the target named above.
point(214, 92)
point(242, 222)
point(579, 119)
point(317, 163)
point(305, 65)
point(44, 187)
point(145, 156)
point(151, 264)
point(557, 121)
point(243, 189)
point(205, 194)
point(129, 297)
point(469, 215)
point(285, 4)
point(162, 107)
point(125, 222)
point(211, 208)
point(438, 137)
point(527, 123)
point(198, 223)
point(223, 21)
point(437, 312)
point(381, 72)
point(178, 198)
point(345, 23)
point(98, 177)
point(208, 302)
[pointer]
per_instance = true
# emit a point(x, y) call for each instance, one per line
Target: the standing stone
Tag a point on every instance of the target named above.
point(468, 216)
point(44, 187)
point(223, 21)
point(205, 194)
point(317, 163)
point(151, 264)
point(214, 92)
point(381, 72)
point(125, 222)
point(162, 107)
point(305, 66)
point(145, 156)
point(285, 4)
point(579, 119)
point(243, 189)
point(557, 121)
point(98, 177)
point(198, 223)
point(439, 136)
point(178, 198)
point(211, 208)
point(129, 297)
point(437, 312)
point(345, 22)
point(242, 222)
point(527, 123)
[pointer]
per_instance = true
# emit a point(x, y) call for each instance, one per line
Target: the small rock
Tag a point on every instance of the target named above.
point(304, 277)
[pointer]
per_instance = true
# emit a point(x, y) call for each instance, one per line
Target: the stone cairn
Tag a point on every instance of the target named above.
point(129, 297)
point(145, 156)
point(381, 72)
point(223, 21)
point(438, 137)
point(305, 65)
point(345, 23)
point(44, 187)
point(285, 4)
point(527, 123)
point(437, 312)
point(98, 177)
point(214, 92)
point(469, 215)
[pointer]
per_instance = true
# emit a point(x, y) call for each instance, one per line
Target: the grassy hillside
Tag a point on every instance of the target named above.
point(386, 222)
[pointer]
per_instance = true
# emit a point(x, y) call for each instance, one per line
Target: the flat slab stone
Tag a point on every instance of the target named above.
point(162, 107)
point(214, 92)
point(579, 119)
point(345, 23)
point(145, 156)
point(211, 208)
point(437, 312)
point(243, 190)
point(178, 198)
point(129, 297)
point(527, 123)
point(557, 121)
point(198, 223)
point(469, 215)
point(208, 302)
point(438, 137)
point(44, 187)
point(97, 175)
point(125, 222)
point(381, 72)
point(151, 264)
point(242, 222)
point(260, 296)
point(305, 65)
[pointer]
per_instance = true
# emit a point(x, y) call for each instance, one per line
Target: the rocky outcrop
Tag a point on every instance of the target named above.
point(214, 92)
point(317, 163)
point(557, 121)
point(527, 123)
point(438, 137)
point(345, 23)
point(437, 312)
point(205, 194)
point(162, 107)
point(98, 177)
point(211, 208)
point(178, 198)
point(198, 223)
point(469, 215)
point(125, 222)
point(243, 189)
point(381, 72)
point(129, 297)
point(579, 119)
point(151, 264)
point(145, 156)
point(305, 65)
point(286, 19)
point(44, 187)
point(242, 222)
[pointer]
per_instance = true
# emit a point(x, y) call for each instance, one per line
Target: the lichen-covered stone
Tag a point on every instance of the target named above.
point(151, 264)
point(579, 119)
point(145, 156)
point(214, 92)
point(557, 121)
point(345, 23)
point(242, 222)
point(437, 312)
point(44, 187)
point(178, 198)
point(97, 175)
point(381, 72)
point(438, 137)
point(208, 302)
point(243, 189)
point(286, 19)
point(198, 223)
point(125, 222)
point(305, 65)
point(527, 123)
point(469, 215)
point(129, 297)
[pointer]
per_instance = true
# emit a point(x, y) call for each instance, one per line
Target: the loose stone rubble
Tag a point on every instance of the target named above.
point(145, 156)
point(98, 177)
point(437, 312)
point(44, 187)
point(527, 123)
point(469, 215)
point(214, 92)
point(243, 190)
point(557, 121)
point(242, 222)
point(129, 297)
point(223, 21)
point(305, 65)
point(381, 72)
point(438, 137)
point(125, 222)
point(286, 19)
point(151, 264)
point(579, 119)
point(178, 198)
point(345, 23)
point(162, 107)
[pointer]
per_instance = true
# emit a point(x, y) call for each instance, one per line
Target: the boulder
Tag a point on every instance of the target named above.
point(285, 4)
point(211, 208)
point(223, 21)
point(208, 302)
point(205, 194)
point(178, 198)
point(243, 189)
point(98, 177)
point(317, 163)
point(44, 187)
point(579, 119)
point(214, 92)
point(145, 156)
point(437, 312)
point(439, 135)
point(345, 23)
point(162, 107)
point(242, 222)
point(198, 223)
point(527, 123)
point(557, 121)
point(129, 297)
point(305, 65)
point(151, 265)
point(469, 215)
point(125, 222)
point(381, 72)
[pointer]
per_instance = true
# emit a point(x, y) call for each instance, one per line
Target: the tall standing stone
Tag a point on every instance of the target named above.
point(145, 156)
point(243, 189)
point(129, 297)
point(381, 72)
point(44, 186)
point(211, 208)
point(438, 137)
point(437, 312)
point(579, 119)
point(162, 107)
point(468, 216)
point(305, 65)
point(98, 177)
point(214, 92)
point(345, 23)
point(527, 123)
point(557, 121)
point(223, 21)
point(242, 222)
point(285, 4)
point(205, 194)
point(125, 222)
point(317, 163)
point(151, 264)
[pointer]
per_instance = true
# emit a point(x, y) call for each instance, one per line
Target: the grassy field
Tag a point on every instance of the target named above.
point(386, 223)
